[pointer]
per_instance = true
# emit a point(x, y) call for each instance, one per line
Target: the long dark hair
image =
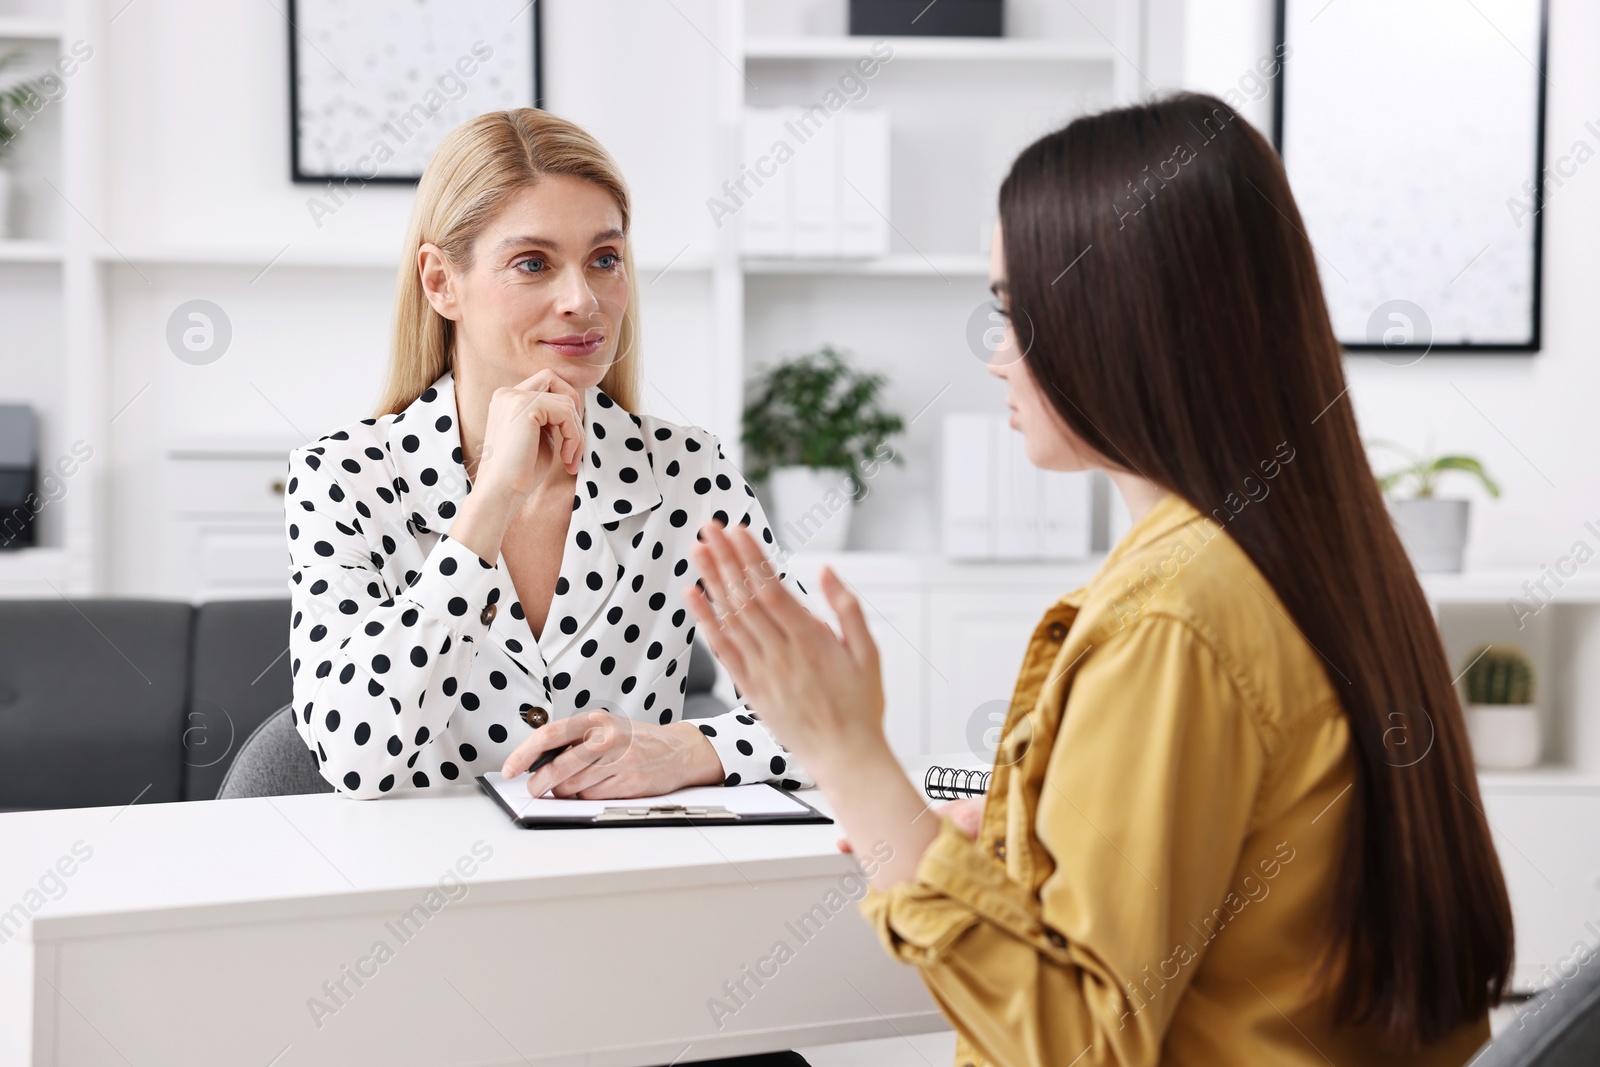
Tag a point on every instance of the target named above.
point(1188, 340)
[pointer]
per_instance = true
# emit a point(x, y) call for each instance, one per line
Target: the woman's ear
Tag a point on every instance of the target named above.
point(437, 280)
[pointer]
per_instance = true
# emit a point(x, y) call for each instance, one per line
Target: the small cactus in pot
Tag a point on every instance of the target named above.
point(1499, 676)
point(1502, 719)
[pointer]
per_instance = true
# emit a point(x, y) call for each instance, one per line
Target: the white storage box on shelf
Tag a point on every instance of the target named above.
point(812, 183)
point(998, 505)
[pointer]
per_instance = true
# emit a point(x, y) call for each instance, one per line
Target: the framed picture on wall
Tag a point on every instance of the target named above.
point(375, 85)
point(1413, 136)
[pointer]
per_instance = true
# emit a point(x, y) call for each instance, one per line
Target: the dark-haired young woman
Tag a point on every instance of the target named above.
point(1233, 818)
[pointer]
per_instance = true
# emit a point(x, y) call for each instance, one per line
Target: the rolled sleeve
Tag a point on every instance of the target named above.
point(956, 887)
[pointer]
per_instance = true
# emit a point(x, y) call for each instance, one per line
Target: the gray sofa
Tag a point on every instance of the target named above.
point(104, 701)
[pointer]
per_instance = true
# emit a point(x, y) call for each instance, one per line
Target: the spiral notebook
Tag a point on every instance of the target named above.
point(955, 783)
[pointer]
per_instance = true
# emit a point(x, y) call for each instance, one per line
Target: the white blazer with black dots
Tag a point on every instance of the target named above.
point(413, 662)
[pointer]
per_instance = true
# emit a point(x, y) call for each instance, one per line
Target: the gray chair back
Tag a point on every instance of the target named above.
point(698, 703)
point(1558, 1028)
point(273, 762)
point(238, 678)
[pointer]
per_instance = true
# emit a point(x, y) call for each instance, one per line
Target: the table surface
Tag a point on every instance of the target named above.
point(163, 866)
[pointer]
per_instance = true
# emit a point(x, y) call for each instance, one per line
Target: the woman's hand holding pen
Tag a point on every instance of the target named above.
point(601, 756)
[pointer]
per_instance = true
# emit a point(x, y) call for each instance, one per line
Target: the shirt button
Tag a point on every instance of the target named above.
point(486, 616)
point(1057, 630)
point(535, 717)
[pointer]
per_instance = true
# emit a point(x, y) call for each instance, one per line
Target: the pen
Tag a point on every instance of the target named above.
point(546, 756)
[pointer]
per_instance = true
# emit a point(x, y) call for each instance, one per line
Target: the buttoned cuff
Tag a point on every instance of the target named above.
point(459, 588)
point(956, 886)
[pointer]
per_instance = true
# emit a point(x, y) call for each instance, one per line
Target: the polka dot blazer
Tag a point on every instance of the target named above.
point(413, 662)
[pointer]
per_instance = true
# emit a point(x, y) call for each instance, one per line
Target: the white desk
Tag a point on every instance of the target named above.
point(205, 933)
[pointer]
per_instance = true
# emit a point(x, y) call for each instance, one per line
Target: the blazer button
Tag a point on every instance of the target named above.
point(1057, 630)
point(486, 616)
point(1000, 848)
point(535, 717)
point(1055, 938)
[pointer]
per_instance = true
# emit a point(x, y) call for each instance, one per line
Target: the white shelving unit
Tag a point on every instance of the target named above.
point(902, 313)
point(50, 291)
point(1560, 633)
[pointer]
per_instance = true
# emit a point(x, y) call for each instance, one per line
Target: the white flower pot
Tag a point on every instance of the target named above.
point(1504, 736)
point(810, 508)
point(1433, 531)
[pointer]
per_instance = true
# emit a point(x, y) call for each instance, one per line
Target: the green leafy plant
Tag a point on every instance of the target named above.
point(815, 410)
point(22, 96)
point(1499, 676)
point(1419, 476)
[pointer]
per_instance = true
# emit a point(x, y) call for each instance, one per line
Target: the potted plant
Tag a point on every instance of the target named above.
point(19, 98)
point(1502, 719)
point(814, 431)
point(1433, 529)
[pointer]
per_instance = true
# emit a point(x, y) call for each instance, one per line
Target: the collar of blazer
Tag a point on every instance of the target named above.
point(425, 443)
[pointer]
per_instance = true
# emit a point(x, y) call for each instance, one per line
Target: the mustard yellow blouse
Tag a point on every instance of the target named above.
point(1153, 873)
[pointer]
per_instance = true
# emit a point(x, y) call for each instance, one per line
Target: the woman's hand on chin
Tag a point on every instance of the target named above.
point(613, 757)
point(821, 693)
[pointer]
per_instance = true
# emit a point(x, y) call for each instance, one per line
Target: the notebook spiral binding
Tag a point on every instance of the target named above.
point(954, 783)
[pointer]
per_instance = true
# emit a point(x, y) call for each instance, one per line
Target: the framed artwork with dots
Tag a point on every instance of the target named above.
point(1413, 135)
point(375, 85)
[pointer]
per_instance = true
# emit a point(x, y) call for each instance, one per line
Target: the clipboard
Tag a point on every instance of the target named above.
point(660, 811)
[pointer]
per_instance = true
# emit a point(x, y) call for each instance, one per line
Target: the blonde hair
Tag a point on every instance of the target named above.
point(475, 169)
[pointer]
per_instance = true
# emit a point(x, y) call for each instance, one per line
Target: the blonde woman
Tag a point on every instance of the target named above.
point(489, 567)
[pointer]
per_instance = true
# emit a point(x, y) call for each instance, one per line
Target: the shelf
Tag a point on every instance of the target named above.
point(1497, 587)
point(981, 49)
point(232, 447)
point(933, 568)
point(26, 29)
point(950, 265)
point(245, 256)
point(20, 251)
point(29, 567)
point(1553, 777)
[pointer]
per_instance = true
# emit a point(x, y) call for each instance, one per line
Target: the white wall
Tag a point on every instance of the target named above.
point(1531, 419)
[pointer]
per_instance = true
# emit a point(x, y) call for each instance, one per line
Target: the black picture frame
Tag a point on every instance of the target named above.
point(1535, 333)
point(300, 176)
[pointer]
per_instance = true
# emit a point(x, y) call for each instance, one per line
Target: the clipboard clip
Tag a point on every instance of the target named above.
point(618, 813)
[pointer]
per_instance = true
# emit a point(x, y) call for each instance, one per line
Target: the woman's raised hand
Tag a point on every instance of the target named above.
point(530, 424)
point(820, 692)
